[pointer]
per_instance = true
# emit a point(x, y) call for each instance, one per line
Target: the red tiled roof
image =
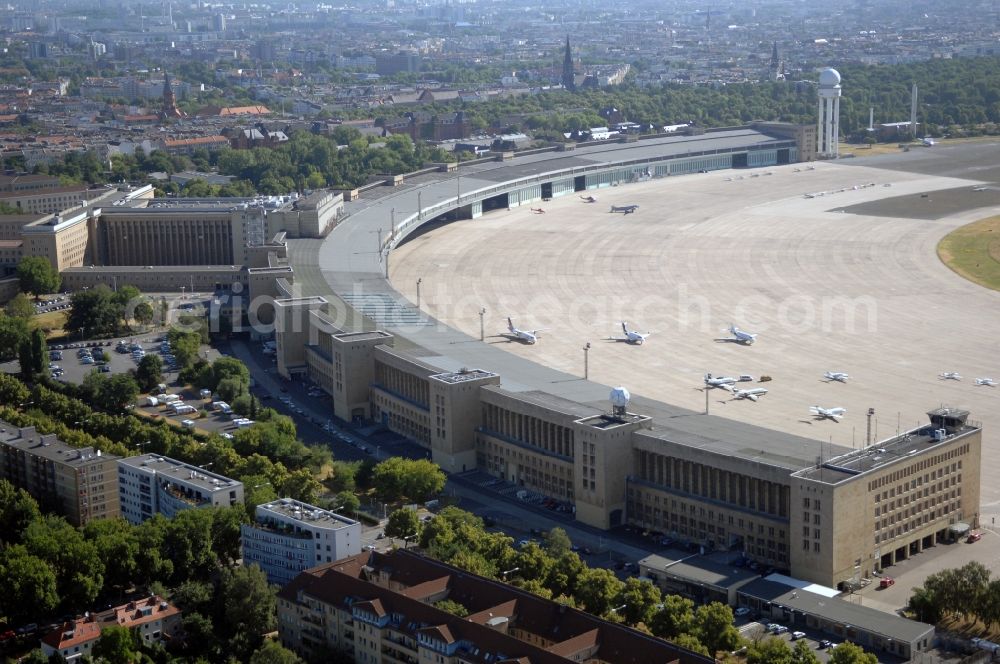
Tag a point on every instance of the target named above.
point(73, 633)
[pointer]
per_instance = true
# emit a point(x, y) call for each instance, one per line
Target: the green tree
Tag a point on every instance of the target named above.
point(230, 389)
point(557, 543)
point(302, 485)
point(20, 307)
point(417, 480)
point(77, 565)
point(596, 590)
point(771, 650)
point(452, 607)
point(37, 276)
point(149, 372)
point(143, 313)
point(93, 313)
point(249, 607)
point(342, 476)
point(26, 360)
point(674, 618)
point(925, 606)
point(641, 599)
point(185, 346)
point(273, 652)
point(117, 546)
point(802, 653)
point(713, 625)
point(849, 653)
point(117, 392)
point(692, 643)
point(117, 645)
point(17, 510)
point(403, 523)
point(346, 502)
point(13, 332)
point(29, 584)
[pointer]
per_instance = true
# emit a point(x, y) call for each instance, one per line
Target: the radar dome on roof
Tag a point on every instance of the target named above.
point(829, 77)
point(619, 397)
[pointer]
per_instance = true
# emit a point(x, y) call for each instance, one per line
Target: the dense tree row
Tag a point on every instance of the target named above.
point(966, 592)
point(48, 568)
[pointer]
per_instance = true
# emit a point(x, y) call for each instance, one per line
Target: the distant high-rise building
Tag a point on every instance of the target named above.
point(38, 49)
point(219, 23)
point(569, 72)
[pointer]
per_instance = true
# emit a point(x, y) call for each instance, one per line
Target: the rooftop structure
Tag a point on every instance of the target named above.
point(288, 536)
point(153, 484)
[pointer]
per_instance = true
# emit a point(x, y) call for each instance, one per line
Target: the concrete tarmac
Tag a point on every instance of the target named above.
point(844, 281)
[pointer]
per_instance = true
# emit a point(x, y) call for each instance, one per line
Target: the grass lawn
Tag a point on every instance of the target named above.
point(973, 252)
point(51, 321)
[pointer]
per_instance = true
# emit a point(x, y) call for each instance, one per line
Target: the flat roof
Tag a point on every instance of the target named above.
point(180, 471)
point(304, 513)
point(362, 336)
point(698, 569)
point(463, 376)
point(835, 610)
point(858, 462)
point(111, 269)
point(48, 446)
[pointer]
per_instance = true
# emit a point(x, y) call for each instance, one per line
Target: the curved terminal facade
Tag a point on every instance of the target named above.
point(829, 515)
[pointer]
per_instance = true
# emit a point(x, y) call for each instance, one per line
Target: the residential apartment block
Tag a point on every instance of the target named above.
point(705, 480)
point(79, 483)
point(153, 484)
point(288, 536)
point(380, 608)
point(153, 619)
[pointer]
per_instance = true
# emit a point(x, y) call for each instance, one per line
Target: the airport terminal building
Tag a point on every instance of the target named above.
point(827, 513)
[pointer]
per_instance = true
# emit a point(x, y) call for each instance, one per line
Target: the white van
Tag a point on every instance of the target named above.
point(187, 424)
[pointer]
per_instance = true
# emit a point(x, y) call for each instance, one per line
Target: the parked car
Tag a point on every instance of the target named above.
point(741, 611)
point(778, 629)
point(886, 581)
point(824, 644)
point(7, 636)
point(798, 635)
point(974, 536)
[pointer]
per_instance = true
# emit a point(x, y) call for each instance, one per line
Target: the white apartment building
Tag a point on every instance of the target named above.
point(289, 536)
point(152, 484)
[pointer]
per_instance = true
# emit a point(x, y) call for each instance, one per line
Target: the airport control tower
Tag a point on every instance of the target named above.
point(828, 119)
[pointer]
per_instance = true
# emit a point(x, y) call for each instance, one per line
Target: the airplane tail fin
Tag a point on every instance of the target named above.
point(510, 324)
point(624, 327)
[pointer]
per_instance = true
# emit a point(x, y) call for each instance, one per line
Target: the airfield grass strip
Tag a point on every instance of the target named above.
point(973, 252)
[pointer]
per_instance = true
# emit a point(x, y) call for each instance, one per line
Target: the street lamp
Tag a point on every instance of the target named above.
point(618, 608)
point(503, 575)
point(482, 330)
point(586, 361)
point(419, 280)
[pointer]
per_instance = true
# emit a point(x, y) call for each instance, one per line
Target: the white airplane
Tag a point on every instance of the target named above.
point(741, 336)
point(631, 336)
point(988, 382)
point(836, 375)
point(627, 209)
point(949, 375)
point(752, 394)
point(527, 336)
point(589, 199)
point(719, 381)
point(828, 413)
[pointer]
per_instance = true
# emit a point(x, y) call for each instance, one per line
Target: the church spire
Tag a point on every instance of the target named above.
point(569, 74)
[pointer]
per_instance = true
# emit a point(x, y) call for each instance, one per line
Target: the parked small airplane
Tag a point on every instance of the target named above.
point(719, 381)
point(989, 382)
point(589, 199)
point(627, 209)
point(527, 336)
point(631, 336)
point(828, 413)
point(836, 375)
point(741, 336)
point(538, 210)
point(949, 375)
point(752, 394)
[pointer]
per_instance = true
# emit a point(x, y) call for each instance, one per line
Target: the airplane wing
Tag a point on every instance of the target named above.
point(752, 397)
